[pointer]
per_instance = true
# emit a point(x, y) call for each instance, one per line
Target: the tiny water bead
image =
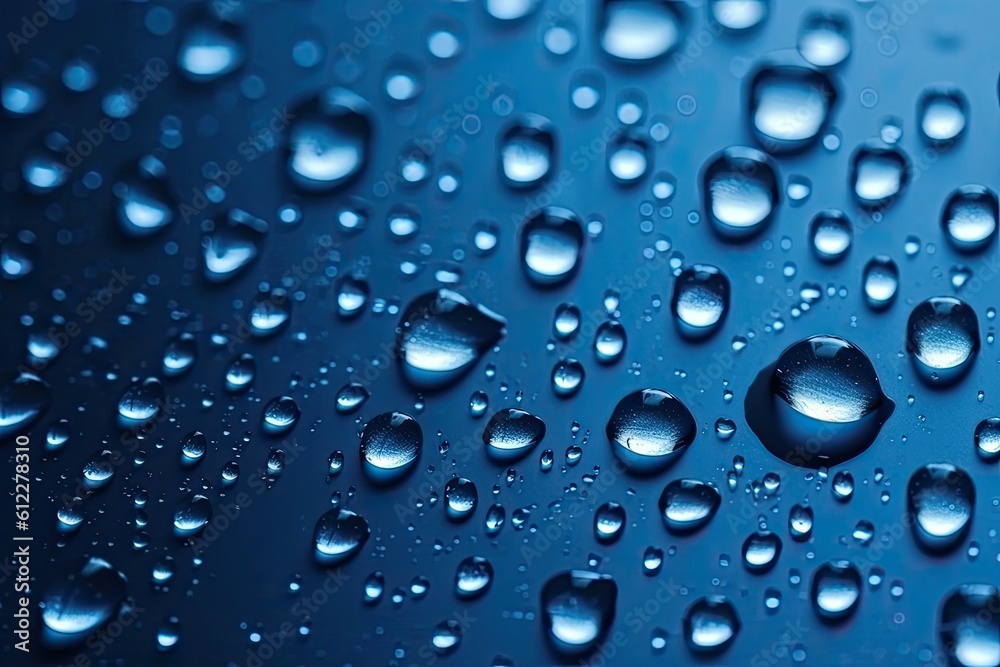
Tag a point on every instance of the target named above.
point(551, 244)
point(578, 608)
point(942, 337)
point(835, 590)
point(711, 624)
point(820, 385)
point(687, 505)
point(527, 151)
point(649, 429)
point(970, 218)
point(740, 192)
point(942, 114)
point(441, 335)
point(941, 499)
point(700, 300)
point(511, 434)
point(391, 444)
point(969, 627)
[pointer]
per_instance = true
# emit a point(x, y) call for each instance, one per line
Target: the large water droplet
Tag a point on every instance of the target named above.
point(551, 244)
point(836, 590)
point(390, 446)
point(441, 335)
point(82, 595)
point(637, 30)
point(790, 106)
point(711, 624)
point(942, 337)
point(738, 15)
point(649, 429)
point(820, 404)
point(987, 439)
point(339, 535)
point(578, 608)
point(700, 300)
point(969, 625)
point(329, 140)
point(970, 217)
point(527, 151)
point(740, 192)
point(940, 499)
point(686, 505)
point(512, 433)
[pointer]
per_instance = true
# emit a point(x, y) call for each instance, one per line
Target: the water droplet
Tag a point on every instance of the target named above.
point(527, 151)
point(609, 522)
point(192, 515)
point(180, 355)
point(800, 522)
point(711, 624)
point(738, 15)
point(628, 160)
point(374, 587)
point(567, 321)
point(473, 577)
point(639, 31)
point(82, 595)
point(240, 374)
point(390, 446)
point(23, 400)
point(210, 50)
point(740, 192)
point(339, 535)
point(567, 377)
point(969, 626)
point(825, 38)
point(880, 282)
point(145, 204)
point(879, 173)
point(270, 312)
point(460, 497)
point(609, 342)
point(790, 106)
point(442, 335)
point(193, 448)
point(141, 402)
point(649, 429)
point(820, 404)
point(725, 428)
point(836, 590)
point(987, 439)
point(329, 140)
point(943, 115)
point(578, 608)
point(970, 217)
point(940, 499)
point(700, 300)
point(687, 505)
point(168, 634)
point(551, 244)
point(495, 517)
point(232, 245)
point(512, 433)
point(832, 234)
point(447, 637)
point(942, 337)
point(843, 486)
point(280, 415)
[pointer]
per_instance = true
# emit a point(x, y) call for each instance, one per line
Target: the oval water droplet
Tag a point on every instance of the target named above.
point(232, 245)
point(192, 516)
point(637, 31)
point(687, 505)
point(880, 281)
point(511, 434)
point(241, 372)
point(180, 355)
point(280, 415)
point(738, 15)
point(820, 404)
point(339, 535)
point(711, 624)
point(832, 234)
point(790, 106)
point(825, 38)
point(567, 377)
point(835, 590)
point(942, 115)
point(940, 499)
point(970, 218)
point(473, 577)
point(649, 429)
point(210, 49)
point(578, 608)
point(82, 595)
point(761, 551)
point(551, 245)
point(141, 403)
point(969, 625)
point(700, 301)
point(740, 192)
point(609, 522)
point(145, 204)
point(23, 400)
point(609, 342)
point(460, 498)
point(527, 151)
point(879, 173)
point(270, 312)
point(942, 337)
point(351, 397)
point(329, 141)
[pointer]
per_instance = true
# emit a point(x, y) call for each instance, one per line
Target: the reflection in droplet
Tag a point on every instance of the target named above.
point(740, 192)
point(942, 114)
point(637, 31)
point(390, 446)
point(328, 140)
point(940, 499)
point(835, 590)
point(687, 505)
point(551, 245)
point(970, 217)
point(578, 608)
point(942, 337)
point(711, 624)
point(527, 151)
point(700, 300)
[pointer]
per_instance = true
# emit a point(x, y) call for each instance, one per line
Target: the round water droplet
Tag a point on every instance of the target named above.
point(700, 301)
point(141, 403)
point(180, 355)
point(329, 140)
point(740, 192)
point(145, 204)
point(609, 342)
point(210, 49)
point(942, 114)
point(447, 637)
point(473, 577)
point(628, 160)
point(339, 535)
point(820, 404)
point(649, 429)
point(843, 486)
point(280, 415)
point(390, 447)
point(193, 448)
point(527, 151)
point(636, 31)
point(942, 337)
point(512, 433)
point(970, 218)
point(711, 624)
point(609, 522)
point(168, 634)
point(940, 499)
point(738, 15)
point(192, 516)
point(352, 295)
point(880, 281)
point(578, 608)
point(240, 374)
point(832, 234)
point(800, 522)
point(82, 595)
point(835, 590)
point(442, 335)
point(567, 321)
point(567, 377)
point(969, 625)
point(987, 439)
point(374, 587)
point(551, 245)
point(687, 505)
point(351, 397)
point(825, 38)
point(879, 173)
point(232, 245)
